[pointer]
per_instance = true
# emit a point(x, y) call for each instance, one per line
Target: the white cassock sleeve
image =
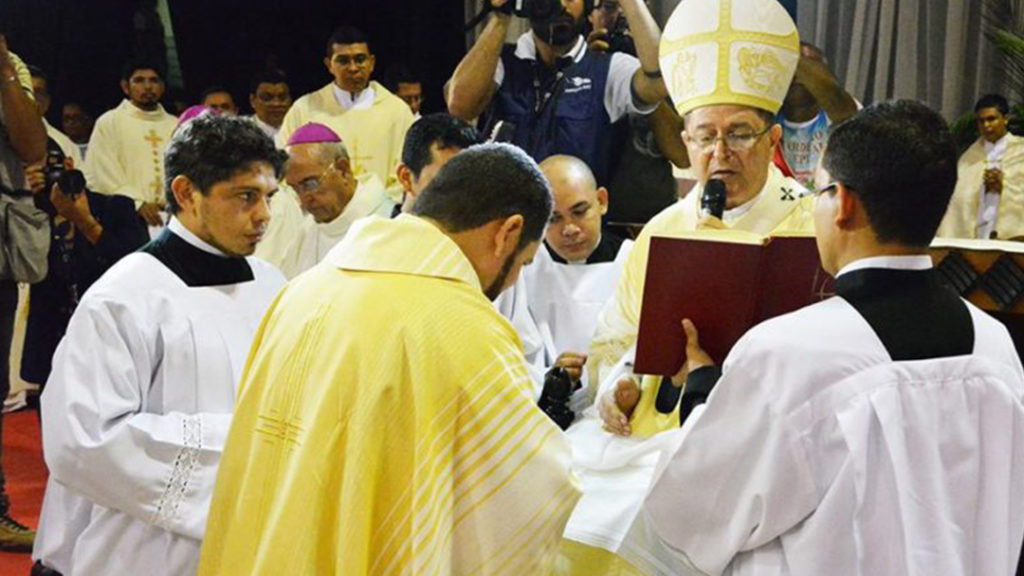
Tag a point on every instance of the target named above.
point(740, 477)
point(100, 442)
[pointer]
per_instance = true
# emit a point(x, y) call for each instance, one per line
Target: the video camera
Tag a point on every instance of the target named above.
point(72, 182)
point(532, 9)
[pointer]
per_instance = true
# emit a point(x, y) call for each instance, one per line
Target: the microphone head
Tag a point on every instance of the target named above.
point(712, 201)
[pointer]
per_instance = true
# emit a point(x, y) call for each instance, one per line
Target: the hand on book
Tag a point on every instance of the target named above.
point(696, 357)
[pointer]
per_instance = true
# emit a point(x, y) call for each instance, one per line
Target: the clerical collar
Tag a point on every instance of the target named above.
point(361, 102)
point(267, 129)
point(194, 261)
point(914, 262)
point(157, 113)
point(738, 212)
point(185, 234)
point(998, 145)
point(606, 251)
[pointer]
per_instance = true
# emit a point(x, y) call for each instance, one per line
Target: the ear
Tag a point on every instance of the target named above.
point(327, 64)
point(847, 207)
point(405, 178)
point(124, 87)
point(506, 240)
point(372, 62)
point(184, 192)
point(602, 199)
point(252, 101)
point(344, 167)
point(776, 135)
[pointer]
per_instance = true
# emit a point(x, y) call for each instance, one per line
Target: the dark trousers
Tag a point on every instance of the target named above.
point(39, 570)
point(8, 306)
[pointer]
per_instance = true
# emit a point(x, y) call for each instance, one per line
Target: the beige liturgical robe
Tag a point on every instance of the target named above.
point(126, 152)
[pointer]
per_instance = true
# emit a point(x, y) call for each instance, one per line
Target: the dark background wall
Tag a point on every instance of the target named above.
point(83, 44)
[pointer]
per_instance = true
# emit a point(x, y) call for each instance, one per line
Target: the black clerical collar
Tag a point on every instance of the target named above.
point(914, 315)
point(197, 267)
point(606, 251)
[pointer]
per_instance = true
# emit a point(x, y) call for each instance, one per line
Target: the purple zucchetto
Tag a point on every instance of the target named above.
point(193, 112)
point(312, 133)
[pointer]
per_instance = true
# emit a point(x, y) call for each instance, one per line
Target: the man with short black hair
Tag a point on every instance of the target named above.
point(894, 389)
point(369, 119)
point(219, 98)
point(77, 123)
point(270, 99)
point(430, 142)
point(41, 90)
point(139, 401)
point(381, 390)
point(401, 80)
point(127, 144)
point(989, 197)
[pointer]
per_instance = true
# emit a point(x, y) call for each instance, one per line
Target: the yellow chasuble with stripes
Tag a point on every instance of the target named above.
point(386, 426)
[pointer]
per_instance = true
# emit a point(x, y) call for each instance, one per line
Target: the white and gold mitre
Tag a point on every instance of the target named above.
point(729, 52)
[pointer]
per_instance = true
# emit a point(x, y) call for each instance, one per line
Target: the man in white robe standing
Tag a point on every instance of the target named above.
point(988, 201)
point(323, 199)
point(137, 408)
point(878, 432)
point(127, 145)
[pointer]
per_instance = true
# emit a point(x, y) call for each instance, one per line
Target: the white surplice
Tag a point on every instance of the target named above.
point(816, 453)
point(136, 412)
point(564, 300)
point(295, 242)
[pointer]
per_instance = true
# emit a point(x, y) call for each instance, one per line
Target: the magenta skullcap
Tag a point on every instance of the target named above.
point(193, 112)
point(312, 133)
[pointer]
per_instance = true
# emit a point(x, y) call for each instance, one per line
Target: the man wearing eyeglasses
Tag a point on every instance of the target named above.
point(331, 197)
point(369, 119)
point(731, 136)
point(878, 432)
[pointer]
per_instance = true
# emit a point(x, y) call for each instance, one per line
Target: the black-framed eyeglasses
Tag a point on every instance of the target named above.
point(826, 188)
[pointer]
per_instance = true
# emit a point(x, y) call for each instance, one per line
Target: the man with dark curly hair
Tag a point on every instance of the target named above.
point(138, 405)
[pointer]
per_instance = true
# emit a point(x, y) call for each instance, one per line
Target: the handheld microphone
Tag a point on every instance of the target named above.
point(712, 201)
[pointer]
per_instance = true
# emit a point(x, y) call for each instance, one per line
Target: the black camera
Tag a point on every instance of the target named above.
point(71, 182)
point(554, 397)
point(533, 9)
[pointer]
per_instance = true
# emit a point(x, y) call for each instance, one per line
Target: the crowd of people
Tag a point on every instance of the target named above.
point(338, 336)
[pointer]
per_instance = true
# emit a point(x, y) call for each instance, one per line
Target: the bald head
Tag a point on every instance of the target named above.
point(575, 228)
point(568, 170)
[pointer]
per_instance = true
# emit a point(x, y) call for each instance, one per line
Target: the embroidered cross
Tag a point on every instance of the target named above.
point(157, 185)
point(357, 160)
point(787, 195)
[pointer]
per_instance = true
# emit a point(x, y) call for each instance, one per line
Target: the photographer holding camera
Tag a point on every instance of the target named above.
point(549, 94)
point(89, 233)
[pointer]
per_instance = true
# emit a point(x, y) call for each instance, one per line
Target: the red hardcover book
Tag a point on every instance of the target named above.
point(725, 282)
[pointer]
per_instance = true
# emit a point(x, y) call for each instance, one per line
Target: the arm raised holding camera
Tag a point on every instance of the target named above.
point(472, 85)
